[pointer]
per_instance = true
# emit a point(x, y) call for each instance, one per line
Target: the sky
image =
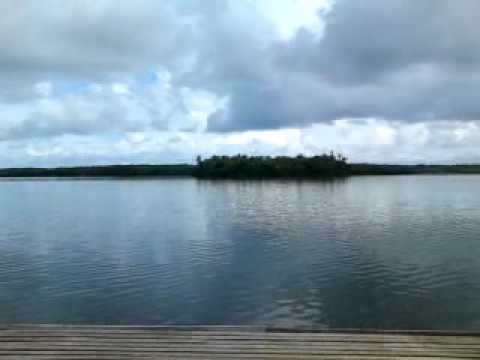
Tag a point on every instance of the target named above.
point(86, 82)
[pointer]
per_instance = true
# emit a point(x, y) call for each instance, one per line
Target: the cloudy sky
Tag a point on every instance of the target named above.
point(147, 81)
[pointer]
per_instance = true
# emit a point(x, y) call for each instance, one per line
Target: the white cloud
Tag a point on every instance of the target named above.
point(291, 15)
point(149, 81)
point(120, 89)
point(360, 141)
point(43, 88)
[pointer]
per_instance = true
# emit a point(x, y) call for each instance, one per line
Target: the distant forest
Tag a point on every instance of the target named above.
point(247, 167)
point(102, 171)
point(242, 166)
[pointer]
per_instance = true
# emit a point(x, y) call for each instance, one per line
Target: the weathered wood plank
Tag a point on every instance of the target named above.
point(189, 355)
point(118, 356)
point(79, 341)
point(233, 346)
point(101, 342)
point(348, 337)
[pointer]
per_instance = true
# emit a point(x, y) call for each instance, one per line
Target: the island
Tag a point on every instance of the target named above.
point(248, 167)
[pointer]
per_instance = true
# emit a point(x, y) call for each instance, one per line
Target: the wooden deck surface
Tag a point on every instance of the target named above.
point(117, 343)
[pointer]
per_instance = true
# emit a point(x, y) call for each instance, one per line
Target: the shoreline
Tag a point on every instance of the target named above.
point(188, 170)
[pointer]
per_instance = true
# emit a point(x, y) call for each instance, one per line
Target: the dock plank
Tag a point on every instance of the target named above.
point(141, 342)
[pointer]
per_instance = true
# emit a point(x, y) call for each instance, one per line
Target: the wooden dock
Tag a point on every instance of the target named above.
point(117, 343)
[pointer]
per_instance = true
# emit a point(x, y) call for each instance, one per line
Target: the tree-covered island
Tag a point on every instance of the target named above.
point(248, 167)
point(243, 166)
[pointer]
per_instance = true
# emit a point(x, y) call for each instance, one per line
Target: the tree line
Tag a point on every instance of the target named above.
point(243, 166)
point(99, 171)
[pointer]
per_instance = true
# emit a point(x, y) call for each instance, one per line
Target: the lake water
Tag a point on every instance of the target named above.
point(366, 252)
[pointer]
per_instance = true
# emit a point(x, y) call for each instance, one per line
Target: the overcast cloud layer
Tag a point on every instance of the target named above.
point(146, 81)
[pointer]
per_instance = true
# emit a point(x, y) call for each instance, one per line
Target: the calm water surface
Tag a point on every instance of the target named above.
point(371, 252)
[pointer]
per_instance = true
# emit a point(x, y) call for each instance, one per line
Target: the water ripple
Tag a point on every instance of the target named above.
point(385, 252)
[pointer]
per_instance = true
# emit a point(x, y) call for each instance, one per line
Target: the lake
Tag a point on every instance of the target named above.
point(364, 252)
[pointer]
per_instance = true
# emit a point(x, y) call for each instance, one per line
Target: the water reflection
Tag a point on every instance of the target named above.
point(372, 252)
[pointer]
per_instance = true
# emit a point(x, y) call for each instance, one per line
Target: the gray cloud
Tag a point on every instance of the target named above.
point(228, 70)
point(364, 41)
point(401, 60)
point(87, 40)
